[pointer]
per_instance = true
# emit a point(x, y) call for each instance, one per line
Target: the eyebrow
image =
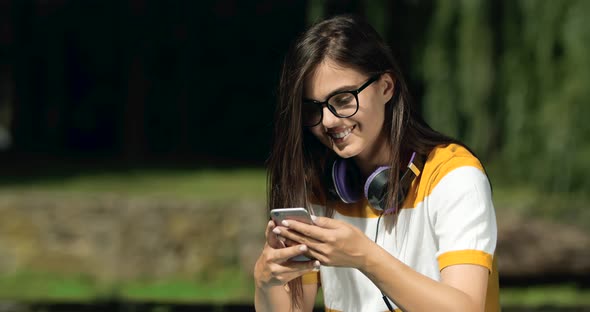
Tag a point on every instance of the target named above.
point(338, 90)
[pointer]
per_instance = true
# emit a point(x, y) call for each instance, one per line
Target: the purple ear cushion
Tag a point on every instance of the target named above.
point(342, 182)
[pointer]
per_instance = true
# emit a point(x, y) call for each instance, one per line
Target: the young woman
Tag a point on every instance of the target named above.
point(404, 215)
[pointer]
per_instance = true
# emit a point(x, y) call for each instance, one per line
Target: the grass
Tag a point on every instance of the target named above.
point(43, 286)
point(229, 287)
point(206, 185)
point(550, 295)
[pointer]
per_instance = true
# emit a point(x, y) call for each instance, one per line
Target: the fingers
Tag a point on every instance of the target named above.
point(288, 242)
point(274, 268)
point(280, 261)
point(282, 274)
point(327, 223)
point(269, 226)
point(272, 239)
point(305, 233)
point(298, 267)
point(319, 256)
point(284, 254)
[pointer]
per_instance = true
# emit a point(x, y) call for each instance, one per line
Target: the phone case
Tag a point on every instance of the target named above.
point(297, 214)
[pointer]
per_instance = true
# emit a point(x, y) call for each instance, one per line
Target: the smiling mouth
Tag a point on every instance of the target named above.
point(342, 134)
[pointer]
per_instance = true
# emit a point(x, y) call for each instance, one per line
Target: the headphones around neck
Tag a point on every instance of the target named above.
point(343, 183)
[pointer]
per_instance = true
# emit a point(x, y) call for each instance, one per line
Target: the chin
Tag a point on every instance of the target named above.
point(347, 152)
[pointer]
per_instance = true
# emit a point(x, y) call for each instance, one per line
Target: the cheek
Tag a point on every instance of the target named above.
point(319, 133)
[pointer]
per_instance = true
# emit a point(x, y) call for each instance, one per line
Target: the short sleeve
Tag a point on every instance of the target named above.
point(462, 213)
point(310, 278)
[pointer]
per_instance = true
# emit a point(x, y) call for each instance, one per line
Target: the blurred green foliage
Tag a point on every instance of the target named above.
point(510, 78)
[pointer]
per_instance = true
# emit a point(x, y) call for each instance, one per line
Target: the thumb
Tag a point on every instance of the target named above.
point(324, 222)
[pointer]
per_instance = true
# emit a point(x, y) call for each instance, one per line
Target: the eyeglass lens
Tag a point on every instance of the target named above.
point(341, 105)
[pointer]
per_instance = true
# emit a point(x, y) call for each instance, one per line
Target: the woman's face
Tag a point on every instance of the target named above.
point(360, 135)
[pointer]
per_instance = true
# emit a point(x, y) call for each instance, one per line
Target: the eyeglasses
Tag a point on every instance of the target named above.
point(343, 104)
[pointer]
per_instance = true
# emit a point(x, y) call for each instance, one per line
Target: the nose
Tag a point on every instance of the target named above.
point(329, 120)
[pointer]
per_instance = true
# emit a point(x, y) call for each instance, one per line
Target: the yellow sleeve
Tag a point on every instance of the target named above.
point(311, 278)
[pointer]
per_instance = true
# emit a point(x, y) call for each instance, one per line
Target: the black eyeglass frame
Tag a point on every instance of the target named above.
point(355, 93)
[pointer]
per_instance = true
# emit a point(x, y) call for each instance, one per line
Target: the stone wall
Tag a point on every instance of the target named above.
point(115, 238)
point(121, 238)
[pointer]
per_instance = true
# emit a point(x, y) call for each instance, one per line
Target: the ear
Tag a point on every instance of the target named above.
point(387, 84)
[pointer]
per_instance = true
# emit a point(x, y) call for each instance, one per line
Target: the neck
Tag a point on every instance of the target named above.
point(378, 155)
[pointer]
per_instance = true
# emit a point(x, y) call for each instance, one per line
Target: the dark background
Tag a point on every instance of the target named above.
point(152, 81)
point(144, 80)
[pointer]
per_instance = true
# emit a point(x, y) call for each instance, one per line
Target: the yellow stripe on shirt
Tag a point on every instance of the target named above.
point(465, 257)
point(310, 278)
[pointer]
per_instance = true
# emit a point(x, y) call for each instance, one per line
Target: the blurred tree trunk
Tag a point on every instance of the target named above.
point(134, 43)
point(39, 78)
point(6, 73)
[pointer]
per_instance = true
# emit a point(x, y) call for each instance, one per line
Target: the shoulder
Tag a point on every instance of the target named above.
point(448, 168)
point(446, 159)
point(455, 180)
point(451, 156)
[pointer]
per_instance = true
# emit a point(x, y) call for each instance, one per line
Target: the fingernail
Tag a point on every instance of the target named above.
point(313, 218)
point(285, 223)
point(317, 264)
point(303, 248)
point(276, 231)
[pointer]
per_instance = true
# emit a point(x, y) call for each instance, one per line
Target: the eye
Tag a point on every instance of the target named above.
point(342, 99)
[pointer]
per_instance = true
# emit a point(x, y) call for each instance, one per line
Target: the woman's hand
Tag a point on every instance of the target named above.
point(332, 242)
point(273, 267)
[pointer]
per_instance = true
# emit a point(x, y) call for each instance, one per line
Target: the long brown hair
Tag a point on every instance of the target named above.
point(297, 158)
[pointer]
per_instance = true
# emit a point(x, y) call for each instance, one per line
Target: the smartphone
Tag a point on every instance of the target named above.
point(297, 214)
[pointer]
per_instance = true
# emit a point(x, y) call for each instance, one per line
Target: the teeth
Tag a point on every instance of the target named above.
point(342, 134)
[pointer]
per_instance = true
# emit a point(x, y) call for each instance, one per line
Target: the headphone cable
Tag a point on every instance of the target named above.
point(387, 303)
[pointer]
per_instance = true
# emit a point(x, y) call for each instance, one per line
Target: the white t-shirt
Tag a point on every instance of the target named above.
point(447, 218)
